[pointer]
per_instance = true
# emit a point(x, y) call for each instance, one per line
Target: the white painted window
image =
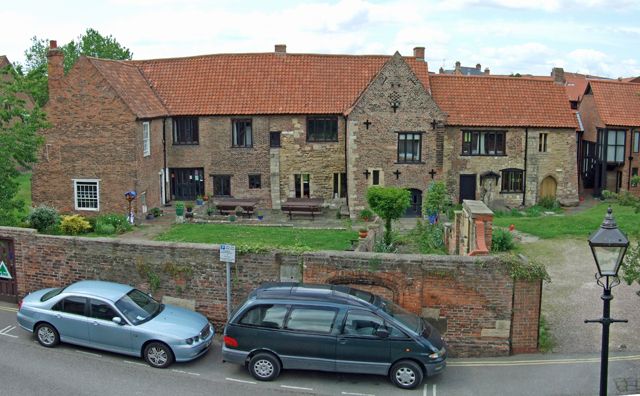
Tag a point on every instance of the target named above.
point(143, 202)
point(146, 139)
point(86, 193)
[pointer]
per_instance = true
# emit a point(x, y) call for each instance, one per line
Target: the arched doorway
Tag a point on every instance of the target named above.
point(548, 187)
point(415, 209)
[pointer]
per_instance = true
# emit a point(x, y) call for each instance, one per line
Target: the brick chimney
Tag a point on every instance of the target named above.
point(558, 75)
point(281, 49)
point(55, 66)
point(441, 71)
point(478, 67)
point(457, 71)
point(418, 52)
point(487, 71)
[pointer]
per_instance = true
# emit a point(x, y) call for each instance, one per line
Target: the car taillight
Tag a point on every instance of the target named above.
point(19, 305)
point(230, 342)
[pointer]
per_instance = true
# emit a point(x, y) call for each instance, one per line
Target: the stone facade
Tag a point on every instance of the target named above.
point(480, 310)
point(539, 165)
point(373, 126)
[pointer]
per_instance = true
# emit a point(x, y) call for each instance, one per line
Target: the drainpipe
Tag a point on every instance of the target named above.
point(164, 159)
point(346, 161)
point(524, 176)
point(629, 175)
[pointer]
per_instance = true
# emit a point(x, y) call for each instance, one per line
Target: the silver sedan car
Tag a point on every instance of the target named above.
point(116, 318)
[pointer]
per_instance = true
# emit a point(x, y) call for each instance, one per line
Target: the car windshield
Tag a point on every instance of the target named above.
point(139, 307)
point(405, 317)
point(51, 293)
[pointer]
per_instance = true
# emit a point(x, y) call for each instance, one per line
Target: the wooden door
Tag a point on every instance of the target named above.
point(8, 283)
point(467, 187)
point(548, 187)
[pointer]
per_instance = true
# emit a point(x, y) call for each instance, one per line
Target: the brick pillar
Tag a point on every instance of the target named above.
point(55, 67)
point(527, 296)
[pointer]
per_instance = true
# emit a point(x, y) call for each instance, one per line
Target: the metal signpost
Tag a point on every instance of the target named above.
point(228, 255)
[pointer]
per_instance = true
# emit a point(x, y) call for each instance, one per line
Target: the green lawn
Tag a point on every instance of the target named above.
point(581, 224)
point(270, 237)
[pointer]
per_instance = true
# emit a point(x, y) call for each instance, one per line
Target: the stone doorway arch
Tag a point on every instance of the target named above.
point(548, 187)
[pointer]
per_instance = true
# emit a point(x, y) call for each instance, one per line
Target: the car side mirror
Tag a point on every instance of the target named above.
point(118, 320)
point(382, 332)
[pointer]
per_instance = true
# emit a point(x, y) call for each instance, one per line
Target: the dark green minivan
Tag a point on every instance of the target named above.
point(331, 328)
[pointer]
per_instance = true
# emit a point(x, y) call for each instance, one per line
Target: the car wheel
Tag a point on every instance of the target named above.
point(264, 367)
point(47, 335)
point(406, 374)
point(158, 355)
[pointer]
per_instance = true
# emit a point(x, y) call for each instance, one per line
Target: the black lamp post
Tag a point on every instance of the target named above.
point(608, 245)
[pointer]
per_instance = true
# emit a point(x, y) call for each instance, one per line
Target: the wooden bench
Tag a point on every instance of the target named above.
point(292, 209)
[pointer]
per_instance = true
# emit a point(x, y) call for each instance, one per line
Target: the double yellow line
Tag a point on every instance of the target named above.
point(540, 362)
point(8, 309)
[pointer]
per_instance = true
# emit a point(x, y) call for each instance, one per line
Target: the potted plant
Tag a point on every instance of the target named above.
point(156, 212)
point(189, 207)
point(199, 200)
point(363, 232)
point(179, 208)
point(205, 197)
point(149, 215)
point(260, 215)
point(232, 218)
point(211, 210)
point(239, 211)
point(366, 214)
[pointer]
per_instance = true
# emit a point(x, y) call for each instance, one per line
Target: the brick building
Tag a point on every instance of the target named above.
point(264, 126)
point(610, 111)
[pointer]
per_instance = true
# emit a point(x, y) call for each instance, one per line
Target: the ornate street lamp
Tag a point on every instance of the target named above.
point(608, 245)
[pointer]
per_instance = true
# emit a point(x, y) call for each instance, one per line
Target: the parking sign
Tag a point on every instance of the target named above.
point(228, 253)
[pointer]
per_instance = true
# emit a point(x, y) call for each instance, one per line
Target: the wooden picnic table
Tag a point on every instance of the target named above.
point(229, 206)
point(309, 206)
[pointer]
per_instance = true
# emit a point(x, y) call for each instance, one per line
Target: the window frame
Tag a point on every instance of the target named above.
point(325, 118)
point(90, 309)
point(272, 134)
point(616, 146)
point(468, 151)
point(339, 185)
point(299, 183)
point(542, 142)
point(189, 137)
point(292, 309)
point(235, 123)
point(259, 185)
point(636, 141)
point(214, 185)
point(146, 139)
point(287, 309)
point(62, 303)
point(406, 147)
point(506, 175)
point(75, 194)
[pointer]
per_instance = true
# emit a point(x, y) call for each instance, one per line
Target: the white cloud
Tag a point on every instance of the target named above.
point(543, 5)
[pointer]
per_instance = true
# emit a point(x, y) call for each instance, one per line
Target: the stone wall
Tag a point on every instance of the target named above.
point(478, 307)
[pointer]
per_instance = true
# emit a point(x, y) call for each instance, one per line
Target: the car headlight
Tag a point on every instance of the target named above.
point(196, 338)
point(438, 354)
point(189, 341)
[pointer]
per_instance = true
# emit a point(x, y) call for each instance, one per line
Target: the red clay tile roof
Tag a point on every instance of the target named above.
point(502, 101)
point(618, 103)
point(132, 87)
point(266, 83)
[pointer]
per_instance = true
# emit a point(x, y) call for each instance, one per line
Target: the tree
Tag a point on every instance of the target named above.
point(631, 265)
point(18, 140)
point(91, 43)
point(389, 203)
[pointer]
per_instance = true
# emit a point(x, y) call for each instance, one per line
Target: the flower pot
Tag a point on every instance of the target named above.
point(179, 211)
point(362, 234)
point(199, 202)
point(260, 217)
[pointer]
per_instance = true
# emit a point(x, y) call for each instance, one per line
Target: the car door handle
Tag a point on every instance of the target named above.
point(95, 323)
point(58, 316)
point(342, 340)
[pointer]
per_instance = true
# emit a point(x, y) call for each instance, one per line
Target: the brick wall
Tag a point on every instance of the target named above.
point(478, 307)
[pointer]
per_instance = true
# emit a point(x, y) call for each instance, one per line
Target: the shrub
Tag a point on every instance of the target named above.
point(549, 203)
point(74, 225)
point(389, 203)
point(366, 214)
point(515, 212)
point(534, 211)
point(501, 240)
point(606, 194)
point(119, 222)
point(43, 218)
point(635, 180)
point(627, 198)
point(105, 229)
point(436, 199)
point(431, 239)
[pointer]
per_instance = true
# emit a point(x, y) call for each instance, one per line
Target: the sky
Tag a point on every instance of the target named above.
point(597, 37)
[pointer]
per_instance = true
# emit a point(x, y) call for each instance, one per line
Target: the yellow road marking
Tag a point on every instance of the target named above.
point(539, 362)
point(8, 309)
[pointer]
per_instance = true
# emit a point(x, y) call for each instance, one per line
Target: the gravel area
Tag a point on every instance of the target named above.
point(573, 296)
